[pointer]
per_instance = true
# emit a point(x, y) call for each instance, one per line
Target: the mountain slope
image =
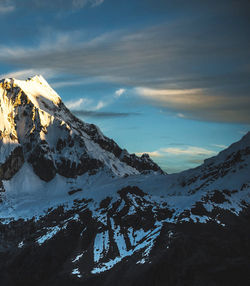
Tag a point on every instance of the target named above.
point(38, 128)
point(99, 227)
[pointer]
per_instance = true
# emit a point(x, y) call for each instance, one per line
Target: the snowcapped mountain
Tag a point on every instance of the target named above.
point(76, 209)
point(36, 127)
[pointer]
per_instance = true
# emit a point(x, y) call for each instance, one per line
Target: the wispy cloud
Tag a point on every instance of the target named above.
point(87, 104)
point(97, 2)
point(82, 3)
point(78, 103)
point(82, 81)
point(220, 146)
point(166, 62)
point(175, 159)
point(153, 154)
point(100, 104)
point(6, 7)
point(26, 73)
point(190, 151)
point(199, 104)
point(99, 114)
point(120, 92)
point(10, 5)
point(139, 58)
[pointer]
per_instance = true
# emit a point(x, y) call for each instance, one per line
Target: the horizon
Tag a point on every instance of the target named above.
point(167, 79)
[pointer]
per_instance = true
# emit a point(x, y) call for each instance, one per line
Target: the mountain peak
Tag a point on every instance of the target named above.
point(36, 89)
point(37, 77)
point(48, 136)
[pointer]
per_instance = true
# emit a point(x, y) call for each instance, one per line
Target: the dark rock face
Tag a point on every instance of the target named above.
point(105, 142)
point(12, 164)
point(218, 197)
point(1, 187)
point(46, 163)
point(184, 253)
point(70, 170)
point(142, 164)
point(199, 209)
point(42, 162)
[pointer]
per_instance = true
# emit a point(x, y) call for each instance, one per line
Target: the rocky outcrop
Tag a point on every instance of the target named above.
point(42, 162)
point(86, 164)
point(143, 164)
point(12, 164)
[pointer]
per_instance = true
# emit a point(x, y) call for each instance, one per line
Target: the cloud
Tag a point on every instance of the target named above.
point(97, 3)
point(81, 81)
point(221, 146)
point(204, 64)
point(154, 154)
point(100, 104)
point(99, 114)
point(175, 97)
point(78, 103)
point(147, 57)
point(82, 3)
point(88, 105)
point(26, 73)
point(120, 92)
point(199, 104)
point(181, 115)
point(11, 5)
point(176, 159)
point(6, 7)
point(190, 150)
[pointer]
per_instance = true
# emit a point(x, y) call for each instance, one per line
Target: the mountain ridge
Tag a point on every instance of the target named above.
point(133, 225)
point(52, 131)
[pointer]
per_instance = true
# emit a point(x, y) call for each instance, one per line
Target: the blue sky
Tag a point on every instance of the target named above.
point(170, 78)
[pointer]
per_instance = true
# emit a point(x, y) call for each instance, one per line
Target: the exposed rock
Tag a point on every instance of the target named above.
point(42, 162)
point(143, 163)
point(12, 164)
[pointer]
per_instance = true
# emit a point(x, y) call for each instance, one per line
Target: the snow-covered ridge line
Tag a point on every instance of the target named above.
point(53, 140)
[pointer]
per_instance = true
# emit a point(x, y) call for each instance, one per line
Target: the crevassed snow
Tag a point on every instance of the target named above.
point(76, 272)
point(101, 245)
point(119, 239)
point(20, 244)
point(77, 258)
point(106, 266)
point(145, 244)
point(51, 232)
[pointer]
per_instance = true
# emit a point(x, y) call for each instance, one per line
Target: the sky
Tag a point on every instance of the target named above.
point(169, 78)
